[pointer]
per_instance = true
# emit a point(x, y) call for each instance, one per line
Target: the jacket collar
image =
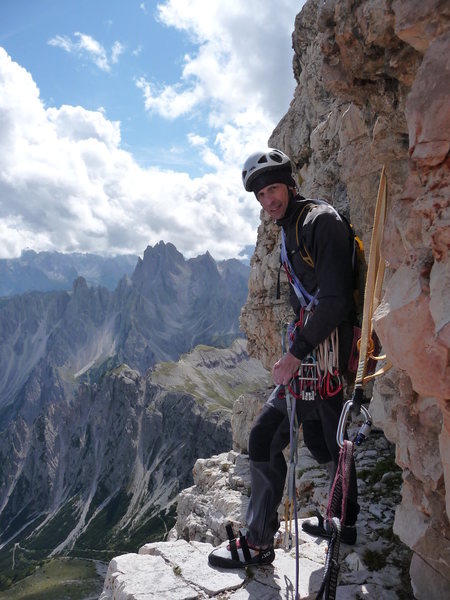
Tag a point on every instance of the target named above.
point(294, 206)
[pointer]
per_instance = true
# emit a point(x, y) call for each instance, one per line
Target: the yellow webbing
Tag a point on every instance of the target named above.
point(306, 257)
point(372, 291)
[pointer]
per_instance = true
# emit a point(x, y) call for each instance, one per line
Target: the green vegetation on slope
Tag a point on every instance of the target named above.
point(59, 579)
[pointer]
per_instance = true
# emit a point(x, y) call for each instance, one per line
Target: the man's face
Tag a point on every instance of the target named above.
point(274, 199)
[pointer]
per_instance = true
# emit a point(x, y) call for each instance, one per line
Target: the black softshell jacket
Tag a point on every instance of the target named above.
point(329, 242)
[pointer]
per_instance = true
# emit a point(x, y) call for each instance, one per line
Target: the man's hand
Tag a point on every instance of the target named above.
point(285, 368)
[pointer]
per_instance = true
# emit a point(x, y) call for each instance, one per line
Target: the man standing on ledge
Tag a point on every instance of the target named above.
point(317, 254)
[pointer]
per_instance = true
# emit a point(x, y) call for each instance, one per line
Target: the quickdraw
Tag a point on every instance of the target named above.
point(328, 361)
point(305, 384)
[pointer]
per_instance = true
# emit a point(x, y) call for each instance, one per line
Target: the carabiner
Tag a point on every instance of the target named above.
point(342, 425)
point(363, 432)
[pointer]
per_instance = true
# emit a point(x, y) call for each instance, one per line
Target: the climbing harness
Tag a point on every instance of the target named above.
point(318, 373)
point(338, 493)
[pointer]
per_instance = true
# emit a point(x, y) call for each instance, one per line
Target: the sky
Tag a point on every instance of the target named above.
point(123, 123)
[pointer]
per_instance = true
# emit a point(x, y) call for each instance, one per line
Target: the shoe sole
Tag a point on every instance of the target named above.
point(317, 531)
point(266, 557)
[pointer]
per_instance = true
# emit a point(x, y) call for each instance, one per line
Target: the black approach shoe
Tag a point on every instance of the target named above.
point(322, 529)
point(238, 554)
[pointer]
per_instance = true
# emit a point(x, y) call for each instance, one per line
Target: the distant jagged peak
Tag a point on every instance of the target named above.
point(158, 259)
point(79, 286)
point(162, 249)
point(28, 253)
point(204, 263)
point(206, 257)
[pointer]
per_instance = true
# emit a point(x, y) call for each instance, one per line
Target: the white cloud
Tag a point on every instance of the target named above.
point(169, 102)
point(116, 50)
point(86, 46)
point(240, 76)
point(245, 51)
point(66, 184)
point(63, 42)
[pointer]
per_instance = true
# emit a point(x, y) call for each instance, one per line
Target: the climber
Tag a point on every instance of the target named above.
point(318, 248)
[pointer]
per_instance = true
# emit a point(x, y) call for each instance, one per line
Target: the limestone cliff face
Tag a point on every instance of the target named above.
point(373, 88)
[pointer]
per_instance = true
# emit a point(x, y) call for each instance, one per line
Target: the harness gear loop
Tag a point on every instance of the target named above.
point(318, 373)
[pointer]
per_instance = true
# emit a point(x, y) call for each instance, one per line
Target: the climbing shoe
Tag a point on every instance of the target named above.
point(238, 553)
point(322, 529)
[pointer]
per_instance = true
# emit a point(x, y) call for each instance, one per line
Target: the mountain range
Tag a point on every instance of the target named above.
point(50, 271)
point(96, 436)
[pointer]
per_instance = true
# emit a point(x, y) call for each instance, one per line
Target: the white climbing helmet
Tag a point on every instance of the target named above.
point(272, 161)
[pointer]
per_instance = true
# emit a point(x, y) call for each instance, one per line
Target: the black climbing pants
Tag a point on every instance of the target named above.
point(268, 438)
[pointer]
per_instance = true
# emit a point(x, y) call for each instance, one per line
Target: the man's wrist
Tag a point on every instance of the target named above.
point(301, 347)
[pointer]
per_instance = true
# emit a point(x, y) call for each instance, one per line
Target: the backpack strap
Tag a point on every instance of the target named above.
point(306, 257)
point(306, 299)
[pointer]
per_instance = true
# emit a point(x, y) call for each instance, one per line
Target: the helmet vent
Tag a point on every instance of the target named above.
point(263, 159)
point(276, 157)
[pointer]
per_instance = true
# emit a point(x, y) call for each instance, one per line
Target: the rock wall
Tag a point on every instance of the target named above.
point(373, 88)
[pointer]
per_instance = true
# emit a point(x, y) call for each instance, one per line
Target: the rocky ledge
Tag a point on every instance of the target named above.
point(376, 567)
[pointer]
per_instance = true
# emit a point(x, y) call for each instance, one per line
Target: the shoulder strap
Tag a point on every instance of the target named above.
point(305, 298)
point(303, 255)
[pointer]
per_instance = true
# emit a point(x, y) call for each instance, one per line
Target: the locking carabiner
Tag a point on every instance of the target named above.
point(364, 430)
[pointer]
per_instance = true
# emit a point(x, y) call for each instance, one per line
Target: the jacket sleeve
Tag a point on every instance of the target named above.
point(330, 245)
